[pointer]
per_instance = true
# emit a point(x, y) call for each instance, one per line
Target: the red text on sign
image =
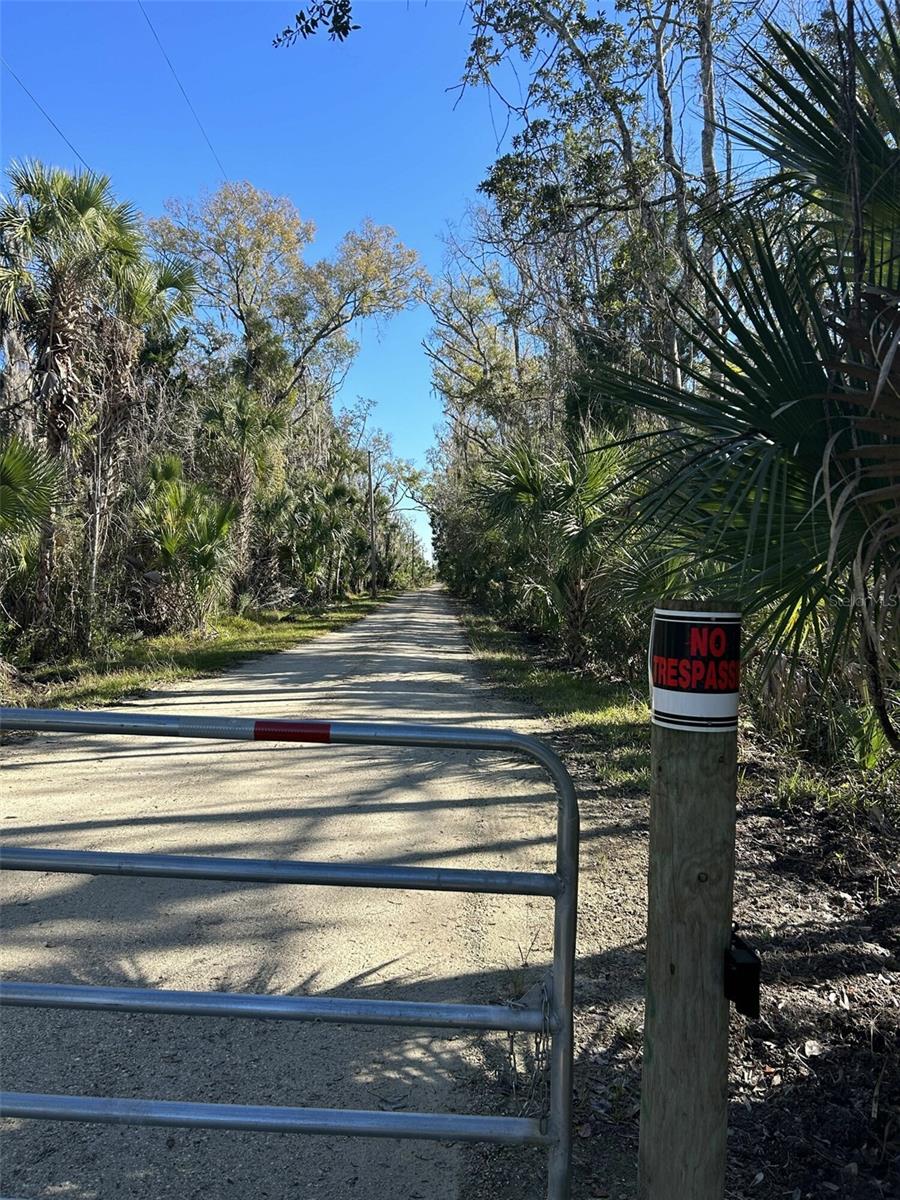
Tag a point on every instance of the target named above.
point(695, 674)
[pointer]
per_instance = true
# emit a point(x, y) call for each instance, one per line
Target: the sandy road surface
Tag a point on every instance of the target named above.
point(408, 661)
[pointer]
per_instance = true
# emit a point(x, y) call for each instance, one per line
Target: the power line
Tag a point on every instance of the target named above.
point(187, 99)
point(41, 108)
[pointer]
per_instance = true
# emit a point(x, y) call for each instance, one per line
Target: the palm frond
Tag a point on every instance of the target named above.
point(29, 486)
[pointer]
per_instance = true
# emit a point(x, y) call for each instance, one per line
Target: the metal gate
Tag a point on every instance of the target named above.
point(550, 1014)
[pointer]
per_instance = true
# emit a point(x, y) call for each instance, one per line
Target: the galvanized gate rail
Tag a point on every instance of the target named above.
point(553, 1131)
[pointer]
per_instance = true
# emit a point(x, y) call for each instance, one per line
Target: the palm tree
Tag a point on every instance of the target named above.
point(29, 485)
point(64, 241)
point(555, 508)
point(150, 297)
point(64, 244)
point(777, 477)
point(245, 431)
point(187, 532)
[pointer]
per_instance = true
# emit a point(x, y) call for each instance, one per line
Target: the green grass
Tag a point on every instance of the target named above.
point(610, 722)
point(864, 792)
point(129, 667)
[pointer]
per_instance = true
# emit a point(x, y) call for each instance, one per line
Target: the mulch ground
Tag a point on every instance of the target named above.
point(815, 1082)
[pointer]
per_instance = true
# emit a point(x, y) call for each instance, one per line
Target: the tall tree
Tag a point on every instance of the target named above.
point(244, 431)
point(248, 250)
point(66, 246)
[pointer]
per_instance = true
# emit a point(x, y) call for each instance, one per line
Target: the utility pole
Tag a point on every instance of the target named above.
point(694, 673)
point(373, 555)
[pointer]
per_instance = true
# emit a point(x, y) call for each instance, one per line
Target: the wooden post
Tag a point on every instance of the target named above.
point(684, 1089)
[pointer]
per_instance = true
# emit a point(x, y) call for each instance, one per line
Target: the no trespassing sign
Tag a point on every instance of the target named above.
point(695, 668)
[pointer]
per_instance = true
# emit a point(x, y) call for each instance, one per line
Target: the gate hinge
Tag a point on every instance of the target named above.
point(742, 976)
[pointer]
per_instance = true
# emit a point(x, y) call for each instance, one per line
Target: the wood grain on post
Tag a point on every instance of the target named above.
point(684, 1089)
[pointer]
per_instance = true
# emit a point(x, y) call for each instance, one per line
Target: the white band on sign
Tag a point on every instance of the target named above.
point(694, 669)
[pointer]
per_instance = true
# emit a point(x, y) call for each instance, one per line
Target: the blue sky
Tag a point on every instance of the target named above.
point(363, 129)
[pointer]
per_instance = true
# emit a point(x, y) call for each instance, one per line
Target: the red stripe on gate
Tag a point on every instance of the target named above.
point(291, 731)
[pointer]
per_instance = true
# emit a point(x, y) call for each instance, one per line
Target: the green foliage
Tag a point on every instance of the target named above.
point(543, 522)
point(29, 485)
point(552, 507)
point(161, 462)
point(727, 356)
point(243, 427)
point(799, 119)
point(612, 718)
point(186, 532)
point(285, 320)
point(336, 16)
point(783, 480)
point(125, 667)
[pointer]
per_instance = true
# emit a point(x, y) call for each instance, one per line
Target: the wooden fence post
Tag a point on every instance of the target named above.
point(694, 665)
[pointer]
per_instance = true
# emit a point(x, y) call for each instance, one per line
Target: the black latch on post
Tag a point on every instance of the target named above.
point(742, 975)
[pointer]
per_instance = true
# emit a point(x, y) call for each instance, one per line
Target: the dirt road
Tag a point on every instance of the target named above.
point(407, 661)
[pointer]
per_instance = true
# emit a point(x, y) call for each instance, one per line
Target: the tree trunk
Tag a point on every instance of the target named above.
point(658, 28)
point(711, 196)
point(576, 622)
point(42, 594)
point(243, 488)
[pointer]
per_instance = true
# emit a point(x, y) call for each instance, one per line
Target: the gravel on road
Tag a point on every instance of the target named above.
point(406, 662)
